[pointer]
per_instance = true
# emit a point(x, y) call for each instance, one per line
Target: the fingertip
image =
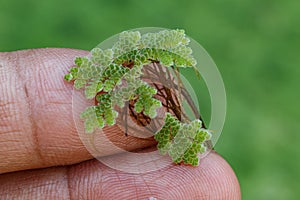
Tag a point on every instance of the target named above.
point(219, 178)
point(213, 179)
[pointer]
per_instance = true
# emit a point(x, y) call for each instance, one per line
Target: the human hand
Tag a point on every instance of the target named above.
point(40, 150)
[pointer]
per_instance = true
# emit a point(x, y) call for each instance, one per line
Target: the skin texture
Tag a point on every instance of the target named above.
point(38, 136)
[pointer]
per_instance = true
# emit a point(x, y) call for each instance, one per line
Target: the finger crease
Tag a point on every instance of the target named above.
point(33, 126)
point(69, 183)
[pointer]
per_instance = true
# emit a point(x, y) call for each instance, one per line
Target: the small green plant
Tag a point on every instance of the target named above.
point(118, 78)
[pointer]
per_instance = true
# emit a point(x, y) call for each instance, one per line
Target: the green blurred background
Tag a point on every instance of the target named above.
point(254, 43)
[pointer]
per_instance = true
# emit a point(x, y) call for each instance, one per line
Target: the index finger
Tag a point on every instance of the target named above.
point(36, 122)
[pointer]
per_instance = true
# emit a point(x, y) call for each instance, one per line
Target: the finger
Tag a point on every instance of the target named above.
point(214, 179)
point(36, 122)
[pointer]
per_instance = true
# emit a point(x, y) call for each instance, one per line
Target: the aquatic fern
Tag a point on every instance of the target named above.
point(113, 77)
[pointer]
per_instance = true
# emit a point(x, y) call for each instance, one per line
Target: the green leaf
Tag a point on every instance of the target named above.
point(78, 61)
point(68, 77)
point(185, 140)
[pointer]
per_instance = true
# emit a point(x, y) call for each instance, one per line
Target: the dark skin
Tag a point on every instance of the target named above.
point(42, 156)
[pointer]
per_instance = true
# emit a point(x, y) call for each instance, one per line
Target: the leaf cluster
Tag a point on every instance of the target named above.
point(182, 141)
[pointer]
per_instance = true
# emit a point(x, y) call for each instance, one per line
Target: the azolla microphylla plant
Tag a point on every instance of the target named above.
point(138, 77)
